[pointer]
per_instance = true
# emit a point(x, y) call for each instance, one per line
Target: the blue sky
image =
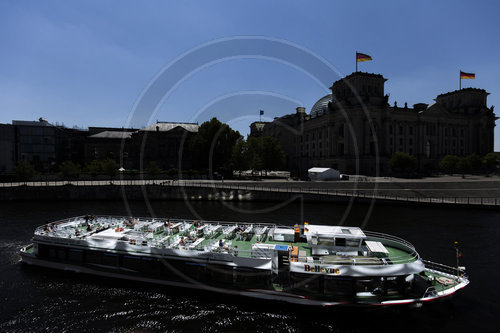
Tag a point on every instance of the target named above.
point(86, 63)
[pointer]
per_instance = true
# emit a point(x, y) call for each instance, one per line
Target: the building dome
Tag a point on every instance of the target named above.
point(319, 108)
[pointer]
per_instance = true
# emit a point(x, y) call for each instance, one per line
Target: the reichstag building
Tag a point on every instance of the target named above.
point(355, 130)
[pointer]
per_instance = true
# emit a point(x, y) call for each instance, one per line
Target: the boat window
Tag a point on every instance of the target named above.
point(340, 241)
point(52, 252)
point(131, 262)
point(61, 253)
point(220, 274)
point(110, 259)
point(325, 241)
point(306, 282)
point(338, 286)
point(367, 284)
point(93, 257)
point(352, 242)
point(149, 266)
point(75, 255)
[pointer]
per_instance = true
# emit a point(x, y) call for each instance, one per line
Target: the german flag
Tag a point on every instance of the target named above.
point(362, 57)
point(467, 75)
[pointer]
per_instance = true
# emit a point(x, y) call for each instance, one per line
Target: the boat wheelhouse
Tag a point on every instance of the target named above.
point(306, 264)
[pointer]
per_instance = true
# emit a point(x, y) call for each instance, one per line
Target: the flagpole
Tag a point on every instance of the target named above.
point(460, 80)
point(356, 59)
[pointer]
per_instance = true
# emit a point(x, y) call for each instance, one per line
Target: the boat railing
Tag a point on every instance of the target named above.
point(411, 253)
point(373, 234)
point(454, 271)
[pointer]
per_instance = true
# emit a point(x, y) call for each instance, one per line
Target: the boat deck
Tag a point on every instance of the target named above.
point(236, 238)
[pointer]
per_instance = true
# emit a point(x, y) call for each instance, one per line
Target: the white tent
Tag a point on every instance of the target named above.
point(323, 174)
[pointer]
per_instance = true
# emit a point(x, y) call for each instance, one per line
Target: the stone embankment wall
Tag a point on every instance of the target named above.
point(484, 194)
point(151, 192)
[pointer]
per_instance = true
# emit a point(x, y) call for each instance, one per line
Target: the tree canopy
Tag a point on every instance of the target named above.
point(24, 170)
point(449, 163)
point(257, 154)
point(69, 170)
point(491, 161)
point(402, 162)
point(212, 147)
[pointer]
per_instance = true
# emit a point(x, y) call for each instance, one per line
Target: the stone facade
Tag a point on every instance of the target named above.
point(46, 146)
point(356, 131)
point(7, 148)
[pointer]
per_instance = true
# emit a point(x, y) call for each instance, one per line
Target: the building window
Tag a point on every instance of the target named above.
point(390, 129)
point(410, 141)
point(401, 130)
point(400, 141)
point(410, 129)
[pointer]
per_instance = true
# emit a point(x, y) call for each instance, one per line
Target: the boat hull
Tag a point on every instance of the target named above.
point(267, 294)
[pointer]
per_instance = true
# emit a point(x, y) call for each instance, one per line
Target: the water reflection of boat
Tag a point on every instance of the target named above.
point(306, 264)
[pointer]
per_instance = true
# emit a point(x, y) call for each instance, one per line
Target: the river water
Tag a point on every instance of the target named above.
point(35, 299)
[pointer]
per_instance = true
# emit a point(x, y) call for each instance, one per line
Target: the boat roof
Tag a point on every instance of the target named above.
point(335, 231)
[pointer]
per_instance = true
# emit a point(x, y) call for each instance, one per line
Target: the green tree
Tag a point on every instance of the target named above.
point(239, 157)
point(213, 143)
point(153, 168)
point(109, 167)
point(491, 161)
point(254, 154)
point(69, 170)
point(449, 163)
point(273, 157)
point(402, 162)
point(94, 168)
point(474, 162)
point(24, 170)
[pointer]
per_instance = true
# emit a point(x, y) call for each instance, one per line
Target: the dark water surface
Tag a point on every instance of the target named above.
point(35, 299)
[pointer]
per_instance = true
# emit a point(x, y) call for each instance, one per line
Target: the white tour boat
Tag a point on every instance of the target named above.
point(305, 264)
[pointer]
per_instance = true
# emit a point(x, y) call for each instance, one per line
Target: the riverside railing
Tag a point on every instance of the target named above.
point(221, 185)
